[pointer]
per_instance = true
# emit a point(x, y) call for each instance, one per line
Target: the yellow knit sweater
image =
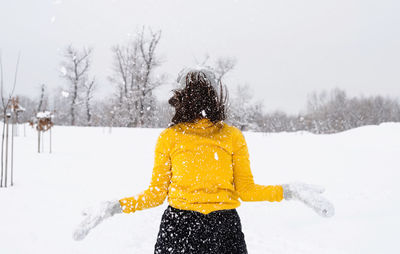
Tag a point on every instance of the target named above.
point(201, 167)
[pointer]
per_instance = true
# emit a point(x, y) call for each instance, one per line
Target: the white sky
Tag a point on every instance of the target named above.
point(285, 48)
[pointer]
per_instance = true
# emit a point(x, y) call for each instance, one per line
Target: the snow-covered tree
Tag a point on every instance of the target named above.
point(89, 90)
point(135, 80)
point(75, 70)
point(43, 99)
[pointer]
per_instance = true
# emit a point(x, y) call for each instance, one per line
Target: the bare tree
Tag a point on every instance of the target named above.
point(43, 100)
point(224, 65)
point(221, 66)
point(75, 68)
point(133, 70)
point(89, 89)
point(242, 111)
point(126, 65)
point(147, 49)
point(5, 104)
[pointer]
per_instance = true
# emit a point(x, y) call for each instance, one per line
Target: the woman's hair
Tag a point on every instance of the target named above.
point(198, 99)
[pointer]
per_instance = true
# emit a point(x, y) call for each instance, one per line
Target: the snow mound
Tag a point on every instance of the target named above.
point(359, 169)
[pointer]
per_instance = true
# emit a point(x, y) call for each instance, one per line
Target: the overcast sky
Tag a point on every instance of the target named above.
point(285, 49)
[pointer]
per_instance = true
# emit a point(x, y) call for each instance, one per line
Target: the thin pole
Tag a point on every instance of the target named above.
point(6, 164)
point(12, 152)
point(2, 151)
point(38, 141)
point(50, 140)
point(42, 141)
point(16, 124)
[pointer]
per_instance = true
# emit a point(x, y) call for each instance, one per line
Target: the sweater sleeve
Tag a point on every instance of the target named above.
point(243, 178)
point(160, 179)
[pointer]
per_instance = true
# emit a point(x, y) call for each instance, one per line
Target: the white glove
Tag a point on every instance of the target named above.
point(310, 196)
point(94, 216)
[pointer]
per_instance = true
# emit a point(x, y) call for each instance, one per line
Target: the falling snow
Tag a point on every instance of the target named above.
point(64, 94)
point(63, 70)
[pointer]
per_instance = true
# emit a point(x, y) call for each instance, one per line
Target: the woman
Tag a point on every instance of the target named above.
point(202, 166)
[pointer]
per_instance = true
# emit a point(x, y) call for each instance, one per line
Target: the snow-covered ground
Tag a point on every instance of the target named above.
point(360, 169)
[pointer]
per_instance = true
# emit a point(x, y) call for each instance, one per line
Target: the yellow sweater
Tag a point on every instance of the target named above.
point(202, 167)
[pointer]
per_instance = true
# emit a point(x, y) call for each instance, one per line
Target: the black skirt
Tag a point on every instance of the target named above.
point(183, 231)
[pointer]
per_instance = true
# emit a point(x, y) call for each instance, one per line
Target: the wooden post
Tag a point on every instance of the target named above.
point(16, 125)
point(43, 124)
point(38, 141)
point(12, 152)
point(50, 139)
point(41, 140)
point(6, 163)
point(2, 150)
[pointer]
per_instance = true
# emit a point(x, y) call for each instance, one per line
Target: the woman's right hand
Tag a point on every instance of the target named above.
point(311, 196)
point(94, 216)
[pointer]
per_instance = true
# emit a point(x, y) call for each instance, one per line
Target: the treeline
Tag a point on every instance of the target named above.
point(331, 112)
point(132, 104)
point(327, 112)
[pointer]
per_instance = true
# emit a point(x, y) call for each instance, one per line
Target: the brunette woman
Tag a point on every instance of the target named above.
point(202, 165)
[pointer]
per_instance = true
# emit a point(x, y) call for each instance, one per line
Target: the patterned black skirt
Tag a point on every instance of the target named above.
point(183, 231)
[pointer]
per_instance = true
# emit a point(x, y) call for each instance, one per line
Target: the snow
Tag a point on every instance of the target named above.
point(44, 114)
point(358, 168)
point(64, 94)
point(20, 108)
point(63, 71)
point(206, 70)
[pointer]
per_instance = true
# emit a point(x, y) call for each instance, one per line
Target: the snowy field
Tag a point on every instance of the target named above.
point(360, 169)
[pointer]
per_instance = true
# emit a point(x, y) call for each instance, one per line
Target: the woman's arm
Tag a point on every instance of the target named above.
point(160, 179)
point(243, 178)
point(153, 196)
point(308, 194)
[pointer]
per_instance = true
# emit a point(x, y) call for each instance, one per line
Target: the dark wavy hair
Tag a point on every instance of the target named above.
point(198, 99)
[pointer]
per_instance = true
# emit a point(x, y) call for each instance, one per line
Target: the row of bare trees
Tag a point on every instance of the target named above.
point(134, 78)
point(327, 112)
point(333, 111)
